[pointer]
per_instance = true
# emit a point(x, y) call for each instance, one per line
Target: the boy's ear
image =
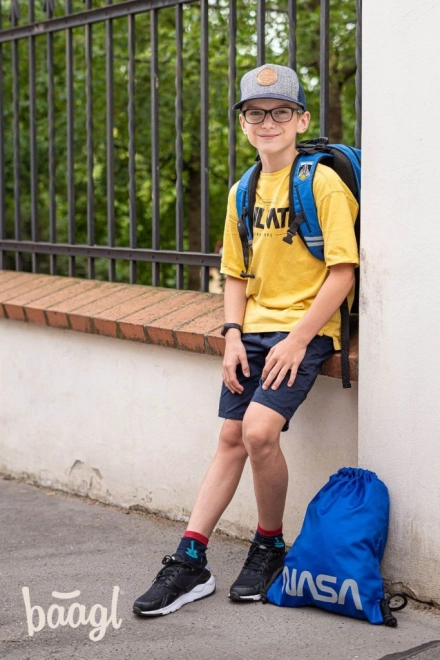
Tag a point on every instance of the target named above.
point(242, 123)
point(303, 122)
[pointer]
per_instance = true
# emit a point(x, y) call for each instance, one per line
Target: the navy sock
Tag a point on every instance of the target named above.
point(192, 549)
point(271, 540)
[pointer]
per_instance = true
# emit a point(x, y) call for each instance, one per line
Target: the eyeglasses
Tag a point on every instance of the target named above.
point(279, 115)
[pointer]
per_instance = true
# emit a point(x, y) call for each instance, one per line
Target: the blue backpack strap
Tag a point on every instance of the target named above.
point(302, 205)
point(244, 225)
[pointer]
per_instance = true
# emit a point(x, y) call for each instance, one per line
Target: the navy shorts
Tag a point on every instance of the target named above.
point(285, 400)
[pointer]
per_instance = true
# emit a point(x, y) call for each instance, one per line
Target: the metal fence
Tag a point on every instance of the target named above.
point(14, 32)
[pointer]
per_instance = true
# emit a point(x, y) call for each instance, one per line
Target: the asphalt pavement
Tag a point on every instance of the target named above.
point(58, 550)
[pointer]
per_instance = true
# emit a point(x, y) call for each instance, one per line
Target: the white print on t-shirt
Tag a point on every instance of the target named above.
point(272, 218)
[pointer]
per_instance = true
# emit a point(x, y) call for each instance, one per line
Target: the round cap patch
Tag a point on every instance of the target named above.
point(267, 77)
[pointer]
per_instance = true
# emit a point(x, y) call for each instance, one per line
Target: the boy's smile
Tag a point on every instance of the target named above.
point(275, 141)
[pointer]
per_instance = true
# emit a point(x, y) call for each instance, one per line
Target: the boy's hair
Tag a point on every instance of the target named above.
point(271, 81)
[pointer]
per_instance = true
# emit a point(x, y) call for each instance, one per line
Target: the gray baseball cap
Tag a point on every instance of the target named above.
point(271, 81)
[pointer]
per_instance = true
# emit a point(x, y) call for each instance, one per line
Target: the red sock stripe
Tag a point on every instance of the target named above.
point(196, 536)
point(271, 532)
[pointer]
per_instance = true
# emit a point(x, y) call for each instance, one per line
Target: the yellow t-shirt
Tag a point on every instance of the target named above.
point(287, 277)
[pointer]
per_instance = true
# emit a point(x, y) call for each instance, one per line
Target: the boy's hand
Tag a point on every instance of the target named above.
point(286, 355)
point(235, 354)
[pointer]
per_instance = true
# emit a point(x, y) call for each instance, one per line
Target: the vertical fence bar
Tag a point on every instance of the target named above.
point(90, 146)
point(49, 7)
point(154, 75)
point(358, 129)
point(70, 141)
point(109, 57)
point(2, 157)
point(15, 14)
point(261, 32)
point(324, 97)
point(33, 137)
point(131, 140)
point(204, 140)
point(179, 141)
point(232, 74)
point(291, 11)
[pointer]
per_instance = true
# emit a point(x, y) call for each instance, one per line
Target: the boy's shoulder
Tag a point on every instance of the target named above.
point(326, 176)
point(327, 181)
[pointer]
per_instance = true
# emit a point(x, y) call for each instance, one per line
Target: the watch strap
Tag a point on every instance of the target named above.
point(228, 326)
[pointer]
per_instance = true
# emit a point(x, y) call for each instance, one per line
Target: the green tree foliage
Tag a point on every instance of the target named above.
point(342, 119)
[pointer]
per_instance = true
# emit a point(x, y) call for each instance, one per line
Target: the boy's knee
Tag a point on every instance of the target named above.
point(258, 439)
point(231, 435)
point(261, 430)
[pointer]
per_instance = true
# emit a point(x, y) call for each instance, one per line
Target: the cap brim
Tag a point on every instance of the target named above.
point(239, 105)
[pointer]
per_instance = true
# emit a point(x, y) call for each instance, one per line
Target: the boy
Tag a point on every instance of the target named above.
point(282, 321)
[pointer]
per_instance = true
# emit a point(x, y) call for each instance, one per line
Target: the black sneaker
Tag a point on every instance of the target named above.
point(178, 583)
point(260, 565)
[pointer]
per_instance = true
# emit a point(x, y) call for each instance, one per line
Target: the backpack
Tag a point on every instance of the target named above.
point(346, 161)
point(334, 563)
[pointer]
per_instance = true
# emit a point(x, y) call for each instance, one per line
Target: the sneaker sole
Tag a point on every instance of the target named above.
point(236, 598)
point(200, 591)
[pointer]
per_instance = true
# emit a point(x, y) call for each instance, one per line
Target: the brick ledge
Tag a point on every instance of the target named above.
point(186, 320)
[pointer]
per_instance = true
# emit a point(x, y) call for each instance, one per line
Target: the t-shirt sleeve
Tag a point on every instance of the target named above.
point(232, 253)
point(337, 212)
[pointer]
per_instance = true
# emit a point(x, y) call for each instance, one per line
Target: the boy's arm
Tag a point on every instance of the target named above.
point(235, 305)
point(289, 353)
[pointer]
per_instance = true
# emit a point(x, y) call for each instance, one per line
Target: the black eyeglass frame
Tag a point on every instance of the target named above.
point(269, 112)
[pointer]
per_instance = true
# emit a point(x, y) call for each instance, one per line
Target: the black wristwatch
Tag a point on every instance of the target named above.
point(228, 326)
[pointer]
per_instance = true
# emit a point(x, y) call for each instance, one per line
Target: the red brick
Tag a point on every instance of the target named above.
point(132, 326)
point(216, 344)
point(76, 288)
point(332, 366)
point(57, 312)
point(80, 323)
point(25, 283)
point(81, 318)
point(57, 319)
point(35, 309)
point(105, 321)
point(191, 336)
point(30, 293)
point(35, 316)
point(161, 331)
point(97, 290)
point(15, 313)
point(116, 293)
point(7, 274)
point(15, 306)
point(10, 278)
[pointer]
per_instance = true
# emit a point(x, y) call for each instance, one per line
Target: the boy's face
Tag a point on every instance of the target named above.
point(271, 137)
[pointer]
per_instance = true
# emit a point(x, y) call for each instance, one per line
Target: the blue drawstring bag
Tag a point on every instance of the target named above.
point(335, 561)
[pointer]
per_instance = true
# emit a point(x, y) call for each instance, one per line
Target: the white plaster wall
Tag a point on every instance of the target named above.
point(133, 424)
point(399, 413)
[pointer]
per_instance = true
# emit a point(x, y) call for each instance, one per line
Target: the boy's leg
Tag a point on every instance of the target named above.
point(261, 436)
point(267, 415)
point(221, 479)
point(185, 579)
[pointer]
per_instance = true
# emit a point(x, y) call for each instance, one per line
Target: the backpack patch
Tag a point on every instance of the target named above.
point(305, 170)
